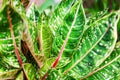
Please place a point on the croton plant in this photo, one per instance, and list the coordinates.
(59, 42)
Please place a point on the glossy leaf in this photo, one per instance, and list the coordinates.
(96, 45)
(58, 41)
(56, 74)
(109, 69)
(70, 29)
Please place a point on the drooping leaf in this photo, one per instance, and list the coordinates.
(96, 45)
(109, 69)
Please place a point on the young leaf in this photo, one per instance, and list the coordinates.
(45, 37)
(96, 45)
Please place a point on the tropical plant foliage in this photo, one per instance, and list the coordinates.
(58, 41)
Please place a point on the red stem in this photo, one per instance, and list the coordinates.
(13, 38)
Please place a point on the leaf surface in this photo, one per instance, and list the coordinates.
(29, 70)
(6, 43)
(45, 37)
(109, 69)
(96, 45)
(70, 27)
(9, 74)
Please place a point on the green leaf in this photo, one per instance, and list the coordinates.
(26, 37)
(62, 10)
(109, 69)
(46, 66)
(9, 74)
(118, 30)
(45, 37)
(20, 76)
(6, 43)
(8, 57)
(16, 18)
(56, 74)
(95, 16)
(29, 70)
(70, 20)
(96, 45)
(5, 64)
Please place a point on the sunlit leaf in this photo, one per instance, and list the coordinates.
(70, 27)
(96, 45)
(6, 43)
(30, 71)
(109, 69)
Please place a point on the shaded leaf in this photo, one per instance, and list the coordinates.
(9, 74)
(20, 76)
(5, 63)
(46, 66)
